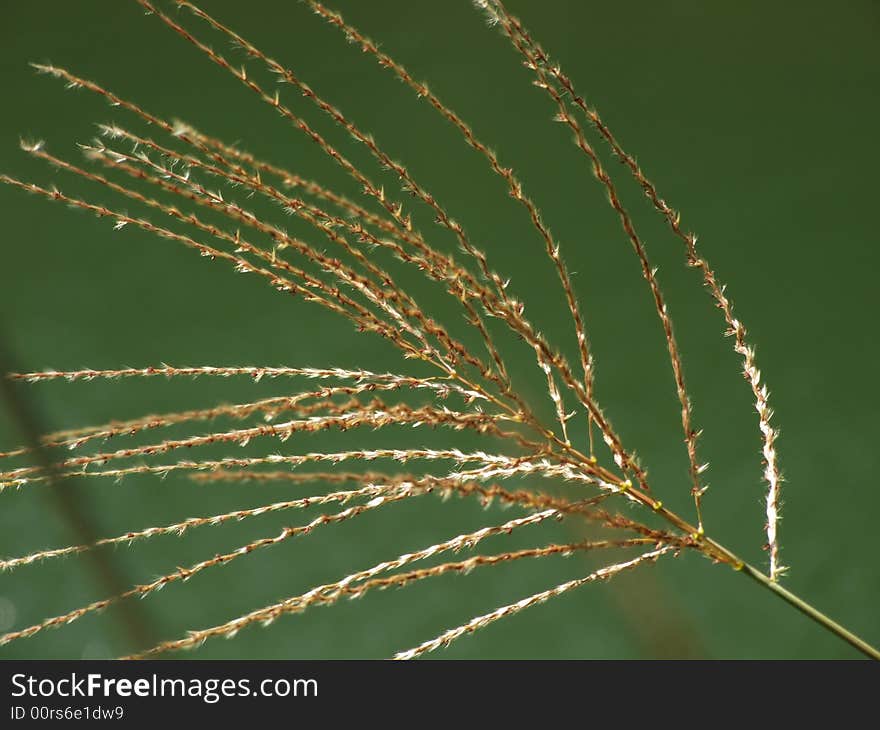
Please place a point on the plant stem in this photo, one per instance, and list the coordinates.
(711, 549)
(718, 552)
(805, 608)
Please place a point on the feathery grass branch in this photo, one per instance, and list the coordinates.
(361, 276)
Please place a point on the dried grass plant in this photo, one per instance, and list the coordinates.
(192, 189)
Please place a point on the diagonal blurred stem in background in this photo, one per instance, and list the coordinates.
(71, 504)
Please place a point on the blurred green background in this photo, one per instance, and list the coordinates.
(757, 120)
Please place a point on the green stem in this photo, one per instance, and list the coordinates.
(805, 608)
(716, 550)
